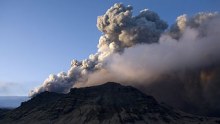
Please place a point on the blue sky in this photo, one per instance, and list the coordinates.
(40, 37)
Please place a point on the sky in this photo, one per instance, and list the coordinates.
(40, 37)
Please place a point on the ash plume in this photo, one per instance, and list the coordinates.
(179, 66)
(120, 30)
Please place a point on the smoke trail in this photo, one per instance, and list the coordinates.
(180, 66)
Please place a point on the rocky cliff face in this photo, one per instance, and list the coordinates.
(109, 103)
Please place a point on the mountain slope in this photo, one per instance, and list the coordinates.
(3, 111)
(109, 103)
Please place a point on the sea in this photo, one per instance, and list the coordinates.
(12, 101)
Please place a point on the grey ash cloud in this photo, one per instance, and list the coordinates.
(120, 30)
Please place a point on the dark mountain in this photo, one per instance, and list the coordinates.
(109, 103)
(3, 111)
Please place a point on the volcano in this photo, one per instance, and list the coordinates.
(109, 103)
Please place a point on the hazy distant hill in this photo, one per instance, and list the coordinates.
(110, 103)
(12, 101)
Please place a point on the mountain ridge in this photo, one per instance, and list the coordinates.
(107, 103)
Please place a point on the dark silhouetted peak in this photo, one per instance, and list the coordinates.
(111, 94)
(43, 98)
(110, 103)
(111, 85)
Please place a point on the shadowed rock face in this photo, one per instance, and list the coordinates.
(107, 103)
(3, 111)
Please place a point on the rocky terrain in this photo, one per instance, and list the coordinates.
(3, 111)
(110, 103)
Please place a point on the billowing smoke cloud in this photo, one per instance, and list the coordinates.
(120, 30)
(180, 66)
